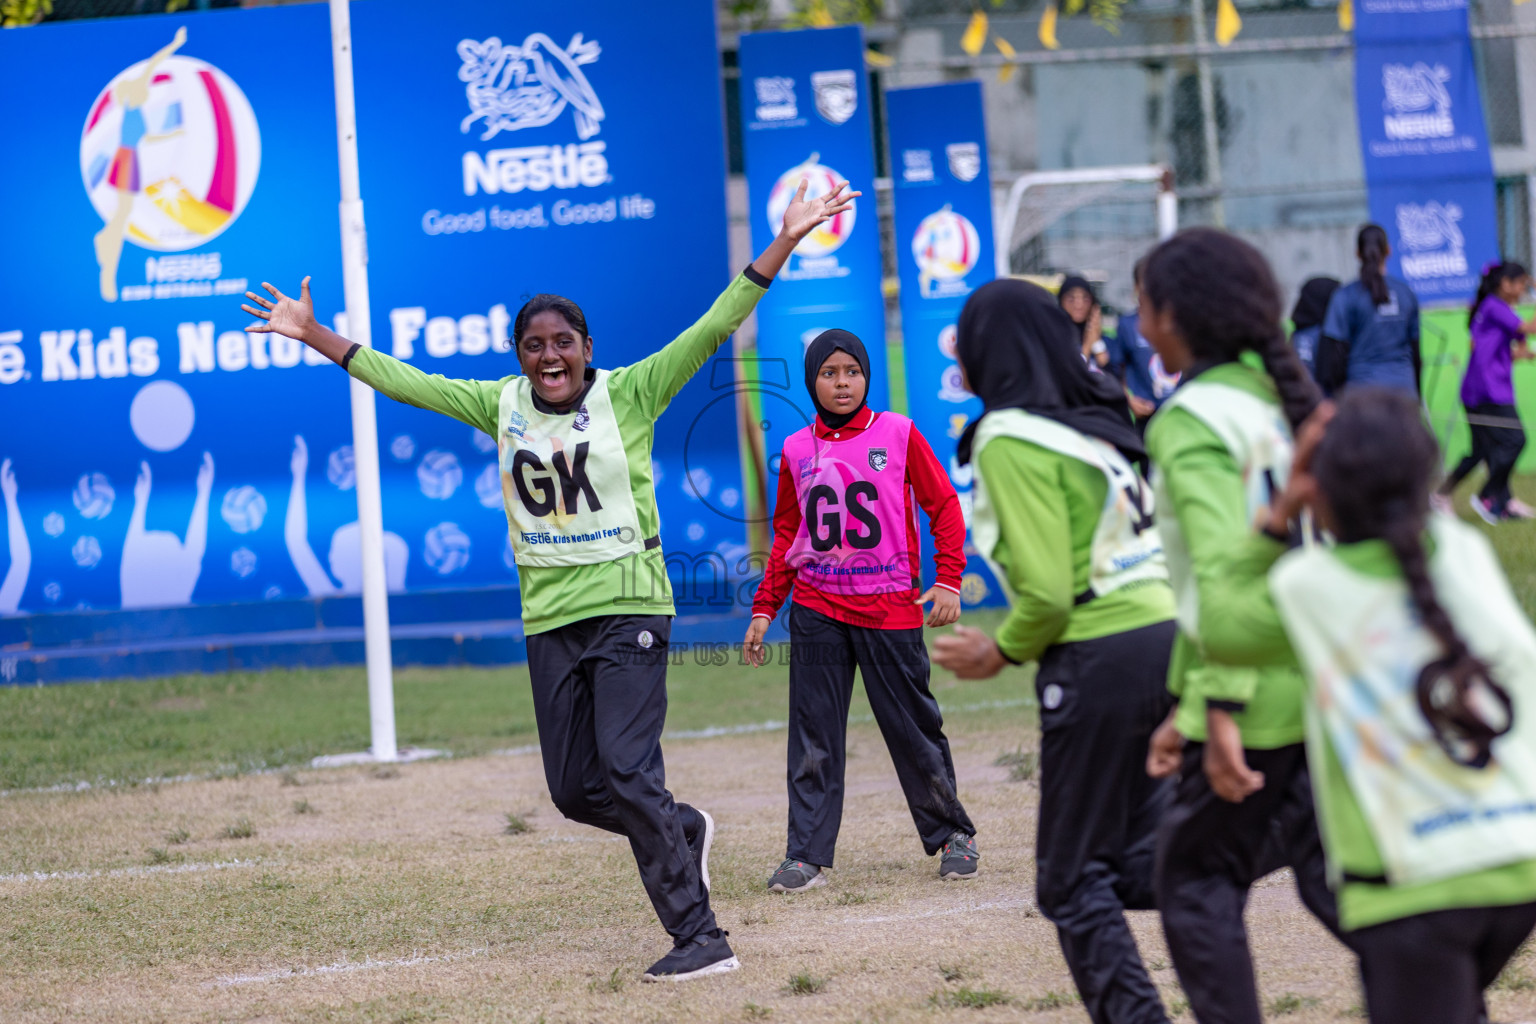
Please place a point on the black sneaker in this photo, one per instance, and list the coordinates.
(958, 857)
(699, 957)
(796, 876)
(699, 841)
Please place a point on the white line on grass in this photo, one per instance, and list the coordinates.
(708, 732)
(343, 967)
(158, 869)
(969, 908)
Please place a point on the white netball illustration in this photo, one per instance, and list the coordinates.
(695, 531)
(483, 442)
(698, 483)
(15, 581)
(488, 486)
(825, 238)
(657, 475)
(160, 569)
(273, 592)
(730, 497)
(403, 448)
(242, 562)
(52, 592)
(162, 415)
(446, 549)
(53, 524)
(86, 552)
(345, 557)
(243, 509)
(341, 468)
(439, 474)
(93, 496)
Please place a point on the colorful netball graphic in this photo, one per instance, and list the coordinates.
(169, 156)
(946, 247)
(826, 239)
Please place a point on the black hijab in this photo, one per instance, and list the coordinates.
(818, 352)
(1312, 303)
(1069, 283)
(1020, 351)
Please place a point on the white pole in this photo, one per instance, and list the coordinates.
(1209, 133)
(365, 434)
(1167, 207)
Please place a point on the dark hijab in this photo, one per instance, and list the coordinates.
(1069, 283)
(1020, 351)
(1312, 303)
(818, 352)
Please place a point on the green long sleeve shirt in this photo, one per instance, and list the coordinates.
(1048, 507)
(635, 585)
(1256, 636)
(1206, 486)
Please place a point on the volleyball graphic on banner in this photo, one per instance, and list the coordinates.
(820, 179)
(177, 139)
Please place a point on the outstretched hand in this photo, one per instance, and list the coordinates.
(299, 463)
(803, 215)
(292, 318)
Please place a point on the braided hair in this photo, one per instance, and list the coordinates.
(1225, 301)
(1371, 246)
(1375, 467)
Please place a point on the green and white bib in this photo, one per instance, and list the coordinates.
(1259, 438)
(1126, 545)
(1363, 649)
(565, 479)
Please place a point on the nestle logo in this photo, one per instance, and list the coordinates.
(536, 168)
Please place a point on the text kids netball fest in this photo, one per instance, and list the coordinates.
(751, 510)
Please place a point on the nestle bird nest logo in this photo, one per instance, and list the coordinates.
(1432, 240)
(515, 87)
(1416, 101)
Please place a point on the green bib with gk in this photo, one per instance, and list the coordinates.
(565, 480)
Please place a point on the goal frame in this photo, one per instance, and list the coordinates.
(1159, 174)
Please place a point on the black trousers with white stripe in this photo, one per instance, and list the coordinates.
(600, 699)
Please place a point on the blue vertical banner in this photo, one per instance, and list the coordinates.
(944, 250)
(1425, 143)
(150, 448)
(805, 114)
(511, 149)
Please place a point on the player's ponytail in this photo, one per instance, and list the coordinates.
(1225, 301)
(1494, 274)
(1375, 468)
(1371, 246)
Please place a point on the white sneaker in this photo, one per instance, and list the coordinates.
(1484, 510)
(1517, 509)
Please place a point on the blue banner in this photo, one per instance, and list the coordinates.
(152, 445)
(805, 114)
(513, 149)
(944, 250)
(1425, 143)
(159, 456)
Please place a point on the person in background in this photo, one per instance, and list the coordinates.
(1307, 319)
(1488, 393)
(1133, 359)
(1371, 330)
(1077, 297)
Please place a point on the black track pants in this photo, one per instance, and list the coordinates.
(894, 663)
(600, 698)
(1100, 701)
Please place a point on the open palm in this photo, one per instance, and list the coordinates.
(803, 215)
(290, 317)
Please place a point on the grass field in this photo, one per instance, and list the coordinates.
(260, 890)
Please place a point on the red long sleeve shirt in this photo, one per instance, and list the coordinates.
(929, 483)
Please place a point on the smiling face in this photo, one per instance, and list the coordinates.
(840, 384)
(1078, 304)
(554, 357)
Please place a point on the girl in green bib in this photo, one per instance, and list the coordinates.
(574, 447)
(1421, 668)
(1221, 450)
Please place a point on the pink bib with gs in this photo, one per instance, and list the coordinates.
(853, 508)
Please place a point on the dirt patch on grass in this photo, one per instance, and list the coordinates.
(404, 898)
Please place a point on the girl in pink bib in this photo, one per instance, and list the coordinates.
(845, 542)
